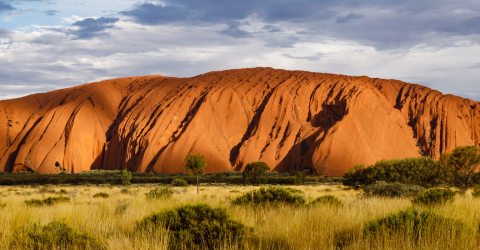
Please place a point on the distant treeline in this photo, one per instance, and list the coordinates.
(113, 177)
(460, 168)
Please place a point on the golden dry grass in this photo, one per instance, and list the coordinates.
(283, 227)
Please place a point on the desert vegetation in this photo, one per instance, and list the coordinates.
(311, 216)
(413, 203)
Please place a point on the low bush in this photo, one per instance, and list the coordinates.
(294, 190)
(159, 193)
(55, 235)
(436, 196)
(396, 189)
(415, 223)
(48, 201)
(421, 171)
(271, 195)
(7, 182)
(101, 195)
(195, 226)
(476, 192)
(179, 183)
(328, 199)
(46, 189)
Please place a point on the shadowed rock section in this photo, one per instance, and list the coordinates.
(292, 120)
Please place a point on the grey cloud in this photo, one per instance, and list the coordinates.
(233, 31)
(4, 32)
(349, 18)
(271, 28)
(51, 12)
(213, 11)
(308, 58)
(151, 14)
(90, 27)
(474, 66)
(392, 24)
(4, 7)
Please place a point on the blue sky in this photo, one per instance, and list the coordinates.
(47, 45)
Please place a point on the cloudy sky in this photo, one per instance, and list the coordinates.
(51, 44)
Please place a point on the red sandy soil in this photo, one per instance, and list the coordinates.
(291, 120)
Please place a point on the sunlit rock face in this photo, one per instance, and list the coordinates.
(292, 120)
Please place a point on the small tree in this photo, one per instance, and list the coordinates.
(126, 177)
(253, 172)
(300, 178)
(194, 164)
(218, 177)
(466, 162)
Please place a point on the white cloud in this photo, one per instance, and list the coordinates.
(46, 57)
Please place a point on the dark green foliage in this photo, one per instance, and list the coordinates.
(101, 195)
(436, 196)
(195, 226)
(218, 177)
(194, 164)
(179, 183)
(396, 189)
(413, 222)
(271, 195)
(114, 177)
(465, 161)
(48, 201)
(159, 193)
(421, 171)
(126, 177)
(315, 179)
(300, 178)
(293, 190)
(55, 235)
(328, 199)
(7, 182)
(253, 173)
(476, 192)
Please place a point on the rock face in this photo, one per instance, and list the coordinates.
(292, 120)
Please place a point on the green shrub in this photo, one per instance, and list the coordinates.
(434, 196)
(159, 193)
(476, 192)
(254, 173)
(126, 177)
(294, 190)
(396, 189)
(101, 195)
(179, 183)
(195, 226)
(7, 182)
(54, 235)
(421, 171)
(48, 201)
(300, 178)
(271, 195)
(413, 222)
(328, 199)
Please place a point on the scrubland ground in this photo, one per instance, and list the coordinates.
(112, 219)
